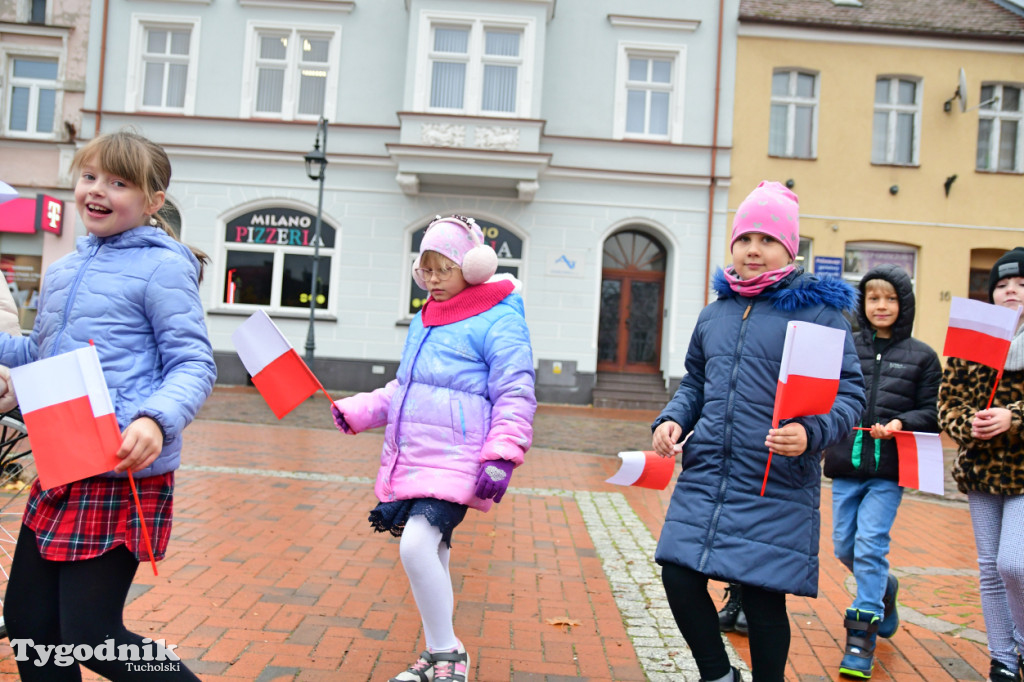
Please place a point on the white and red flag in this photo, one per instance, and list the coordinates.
(980, 332)
(644, 470)
(70, 419)
(277, 371)
(920, 456)
(812, 360)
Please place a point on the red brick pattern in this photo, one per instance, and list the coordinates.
(271, 577)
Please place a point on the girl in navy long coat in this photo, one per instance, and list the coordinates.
(718, 525)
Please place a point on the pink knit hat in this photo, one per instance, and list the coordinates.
(460, 239)
(770, 209)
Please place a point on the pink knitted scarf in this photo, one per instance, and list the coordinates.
(754, 286)
(465, 304)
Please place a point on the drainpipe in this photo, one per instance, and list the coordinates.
(714, 151)
(103, 67)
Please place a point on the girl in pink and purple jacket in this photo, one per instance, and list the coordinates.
(459, 418)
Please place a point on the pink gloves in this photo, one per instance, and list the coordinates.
(339, 420)
(492, 481)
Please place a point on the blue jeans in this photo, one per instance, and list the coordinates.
(863, 512)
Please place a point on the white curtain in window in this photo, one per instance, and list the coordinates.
(312, 92)
(447, 85)
(177, 75)
(501, 43)
(153, 84)
(499, 88)
(879, 133)
(451, 40)
(904, 138)
(270, 90)
(984, 142)
(1008, 146)
(19, 110)
(659, 114)
(636, 111)
(44, 114)
(777, 129)
(803, 131)
(180, 41)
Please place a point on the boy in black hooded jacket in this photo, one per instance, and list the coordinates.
(901, 380)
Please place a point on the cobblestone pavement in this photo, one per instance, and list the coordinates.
(274, 574)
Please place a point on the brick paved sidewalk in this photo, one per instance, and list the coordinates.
(274, 574)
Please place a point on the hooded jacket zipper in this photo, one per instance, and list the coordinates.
(71, 298)
(727, 441)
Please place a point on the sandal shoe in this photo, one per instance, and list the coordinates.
(420, 671)
(451, 666)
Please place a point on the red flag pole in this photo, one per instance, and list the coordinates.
(138, 509)
(142, 522)
(768, 466)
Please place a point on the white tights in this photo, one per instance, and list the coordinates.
(425, 559)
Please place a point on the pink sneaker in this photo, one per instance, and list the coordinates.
(420, 671)
(451, 666)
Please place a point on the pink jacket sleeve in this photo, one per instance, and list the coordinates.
(368, 410)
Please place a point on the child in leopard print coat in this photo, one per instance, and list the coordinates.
(989, 469)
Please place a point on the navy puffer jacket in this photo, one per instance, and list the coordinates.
(136, 295)
(901, 382)
(717, 523)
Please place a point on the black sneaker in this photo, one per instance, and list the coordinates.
(998, 672)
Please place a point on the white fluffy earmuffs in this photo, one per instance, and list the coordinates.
(450, 237)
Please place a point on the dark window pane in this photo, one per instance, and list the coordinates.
(608, 326)
(298, 274)
(248, 277)
(644, 314)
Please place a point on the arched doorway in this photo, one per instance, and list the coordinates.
(632, 296)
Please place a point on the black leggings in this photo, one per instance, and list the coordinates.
(79, 603)
(697, 617)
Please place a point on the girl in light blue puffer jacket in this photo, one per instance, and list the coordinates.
(133, 289)
(459, 418)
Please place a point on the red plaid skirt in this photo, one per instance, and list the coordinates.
(87, 518)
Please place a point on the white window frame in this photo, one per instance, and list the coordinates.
(472, 97)
(135, 87)
(677, 86)
(892, 109)
(217, 302)
(290, 96)
(791, 101)
(997, 116)
(7, 56)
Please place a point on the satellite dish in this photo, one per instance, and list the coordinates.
(960, 94)
(961, 90)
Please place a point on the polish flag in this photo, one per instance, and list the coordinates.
(644, 470)
(278, 372)
(812, 358)
(980, 332)
(70, 420)
(921, 463)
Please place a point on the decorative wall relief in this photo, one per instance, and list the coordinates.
(443, 135)
(496, 137)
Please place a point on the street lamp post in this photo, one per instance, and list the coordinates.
(316, 166)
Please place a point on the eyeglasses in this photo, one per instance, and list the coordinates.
(443, 275)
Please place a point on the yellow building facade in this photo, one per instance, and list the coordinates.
(870, 131)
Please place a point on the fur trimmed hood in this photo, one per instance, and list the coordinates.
(798, 290)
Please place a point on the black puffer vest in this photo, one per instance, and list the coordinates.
(901, 382)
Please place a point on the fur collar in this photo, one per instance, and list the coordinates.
(799, 290)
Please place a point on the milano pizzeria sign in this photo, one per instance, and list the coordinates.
(278, 227)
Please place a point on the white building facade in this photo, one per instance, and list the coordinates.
(581, 134)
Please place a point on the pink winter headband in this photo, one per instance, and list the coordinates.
(770, 209)
(461, 240)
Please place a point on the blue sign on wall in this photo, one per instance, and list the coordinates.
(827, 265)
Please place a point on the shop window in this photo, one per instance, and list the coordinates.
(507, 245)
(269, 257)
(863, 256)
